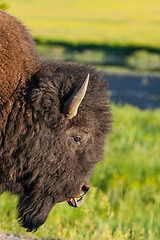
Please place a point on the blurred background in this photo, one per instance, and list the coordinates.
(121, 39)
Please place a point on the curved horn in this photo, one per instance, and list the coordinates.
(71, 106)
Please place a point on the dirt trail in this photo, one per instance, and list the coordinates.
(12, 237)
(16, 237)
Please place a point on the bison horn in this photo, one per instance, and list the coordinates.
(71, 106)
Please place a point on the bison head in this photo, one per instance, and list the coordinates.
(65, 121)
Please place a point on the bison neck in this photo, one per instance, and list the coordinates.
(15, 127)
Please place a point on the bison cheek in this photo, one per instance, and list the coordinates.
(32, 213)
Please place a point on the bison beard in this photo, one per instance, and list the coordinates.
(54, 117)
(33, 214)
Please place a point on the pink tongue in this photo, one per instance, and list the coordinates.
(74, 203)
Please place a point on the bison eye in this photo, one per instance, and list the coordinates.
(77, 139)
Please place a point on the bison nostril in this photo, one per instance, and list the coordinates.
(85, 189)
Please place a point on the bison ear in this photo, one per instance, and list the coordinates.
(70, 108)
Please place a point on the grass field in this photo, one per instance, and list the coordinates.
(124, 200)
(105, 33)
(113, 22)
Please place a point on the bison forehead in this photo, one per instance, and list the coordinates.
(56, 82)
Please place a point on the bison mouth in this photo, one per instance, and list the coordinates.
(75, 202)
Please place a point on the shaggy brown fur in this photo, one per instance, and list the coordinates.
(18, 56)
(40, 157)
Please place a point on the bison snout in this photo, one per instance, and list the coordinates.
(85, 189)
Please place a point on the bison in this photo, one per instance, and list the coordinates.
(54, 117)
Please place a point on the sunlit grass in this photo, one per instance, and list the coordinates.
(112, 22)
(124, 33)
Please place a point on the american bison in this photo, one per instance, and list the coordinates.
(53, 121)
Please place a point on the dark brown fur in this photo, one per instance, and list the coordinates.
(39, 157)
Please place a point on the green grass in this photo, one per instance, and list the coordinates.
(124, 199)
(102, 56)
(114, 22)
(103, 33)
